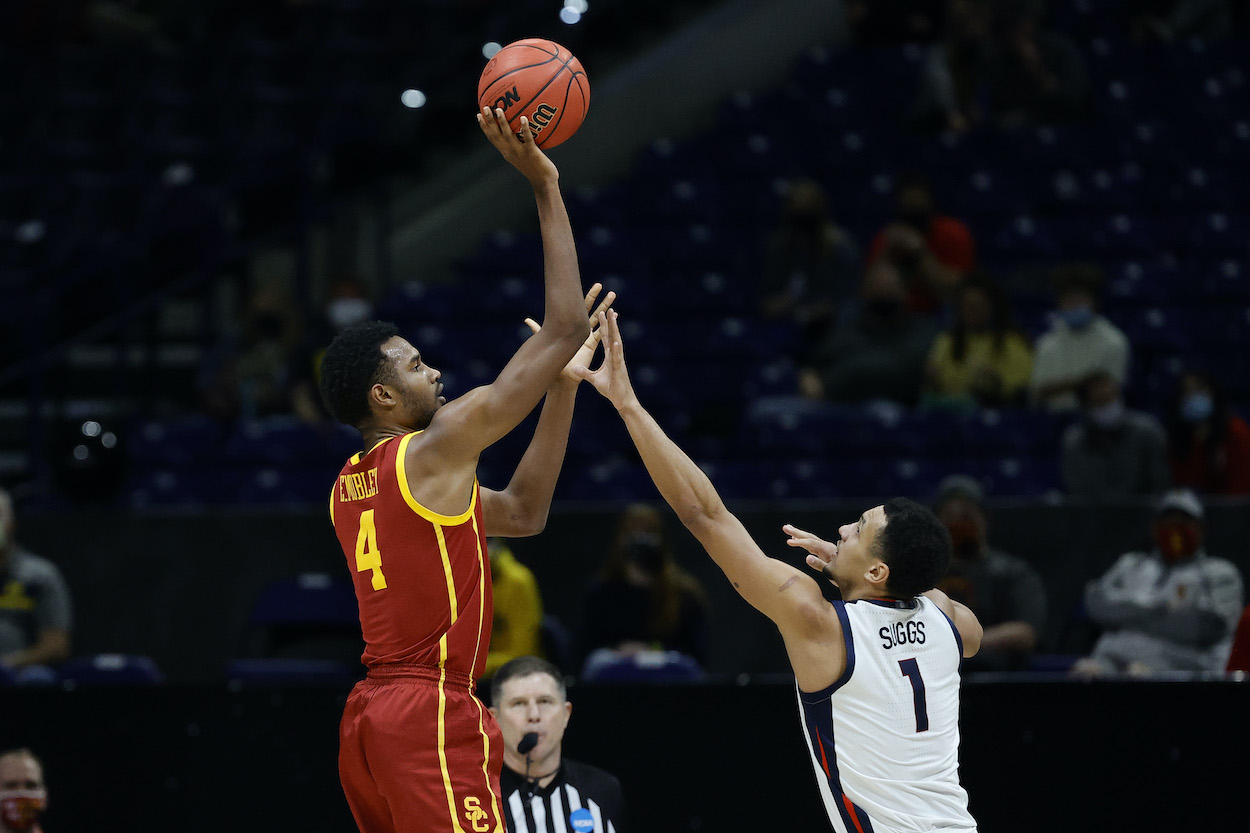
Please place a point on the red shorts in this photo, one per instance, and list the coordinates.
(419, 752)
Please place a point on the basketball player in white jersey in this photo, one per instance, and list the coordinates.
(877, 673)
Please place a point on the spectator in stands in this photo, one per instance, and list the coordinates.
(1208, 444)
(641, 599)
(250, 377)
(954, 79)
(877, 22)
(931, 251)
(1035, 76)
(1168, 21)
(982, 359)
(517, 628)
(348, 304)
(1079, 343)
(35, 613)
(810, 264)
(23, 793)
(1003, 590)
(877, 351)
(1113, 451)
(1171, 609)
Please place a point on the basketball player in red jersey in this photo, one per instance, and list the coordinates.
(417, 749)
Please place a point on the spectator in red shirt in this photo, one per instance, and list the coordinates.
(933, 252)
(1208, 444)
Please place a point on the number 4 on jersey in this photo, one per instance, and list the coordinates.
(367, 555)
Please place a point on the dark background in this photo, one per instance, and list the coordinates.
(179, 586)
(1035, 756)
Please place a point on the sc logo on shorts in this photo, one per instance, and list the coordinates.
(475, 815)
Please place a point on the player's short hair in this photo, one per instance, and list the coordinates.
(916, 547)
(523, 667)
(354, 363)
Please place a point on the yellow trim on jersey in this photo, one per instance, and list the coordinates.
(430, 515)
(442, 735)
(360, 455)
(333, 494)
(483, 571)
(451, 584)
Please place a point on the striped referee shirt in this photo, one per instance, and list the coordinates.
(580, 799)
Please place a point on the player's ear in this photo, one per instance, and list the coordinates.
(381, 395)
(878, 573)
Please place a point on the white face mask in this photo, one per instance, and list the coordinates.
(343, 312)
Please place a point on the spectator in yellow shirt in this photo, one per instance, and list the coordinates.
(518, 608)
(982, 359)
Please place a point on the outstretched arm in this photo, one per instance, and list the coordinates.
(479, 418)
(521, 509)
(785, 595)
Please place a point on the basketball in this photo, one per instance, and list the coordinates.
(541, 80)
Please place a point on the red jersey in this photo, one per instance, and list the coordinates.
(422, 579)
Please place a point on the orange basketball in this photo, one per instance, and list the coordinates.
(540, 80)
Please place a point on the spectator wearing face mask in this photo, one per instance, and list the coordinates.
(1173, 608)
(641, 599)
(1079, 343)
(1113, 451)
(877, 352)
(931, 251)
(23, 794)
(1208, 444)
(810, 265)
(1003, 590)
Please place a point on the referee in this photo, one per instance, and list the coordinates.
(543, 792)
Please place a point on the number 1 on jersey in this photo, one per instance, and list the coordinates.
(911, 670)
(367, 555)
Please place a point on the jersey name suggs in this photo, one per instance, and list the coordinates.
(902, 633)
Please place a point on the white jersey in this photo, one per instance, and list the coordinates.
(884, 738)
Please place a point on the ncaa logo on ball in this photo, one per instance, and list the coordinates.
(581, 820)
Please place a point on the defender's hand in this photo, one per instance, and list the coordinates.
(612, 377)
(586, 353)
(519, 149)
(819, 551)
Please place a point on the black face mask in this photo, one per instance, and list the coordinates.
(884, 307)
(644, 550)
(919, 220)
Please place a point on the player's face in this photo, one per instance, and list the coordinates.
(533, 704)
(857, 549)
(415, 383)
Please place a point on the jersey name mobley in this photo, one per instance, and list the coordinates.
(902, 633)
(358, 485)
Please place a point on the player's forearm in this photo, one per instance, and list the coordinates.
(534, 481)
(564, 314)
(681, 483)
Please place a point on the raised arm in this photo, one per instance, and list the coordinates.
(479, 418)
(787, 596)
(521, 509)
